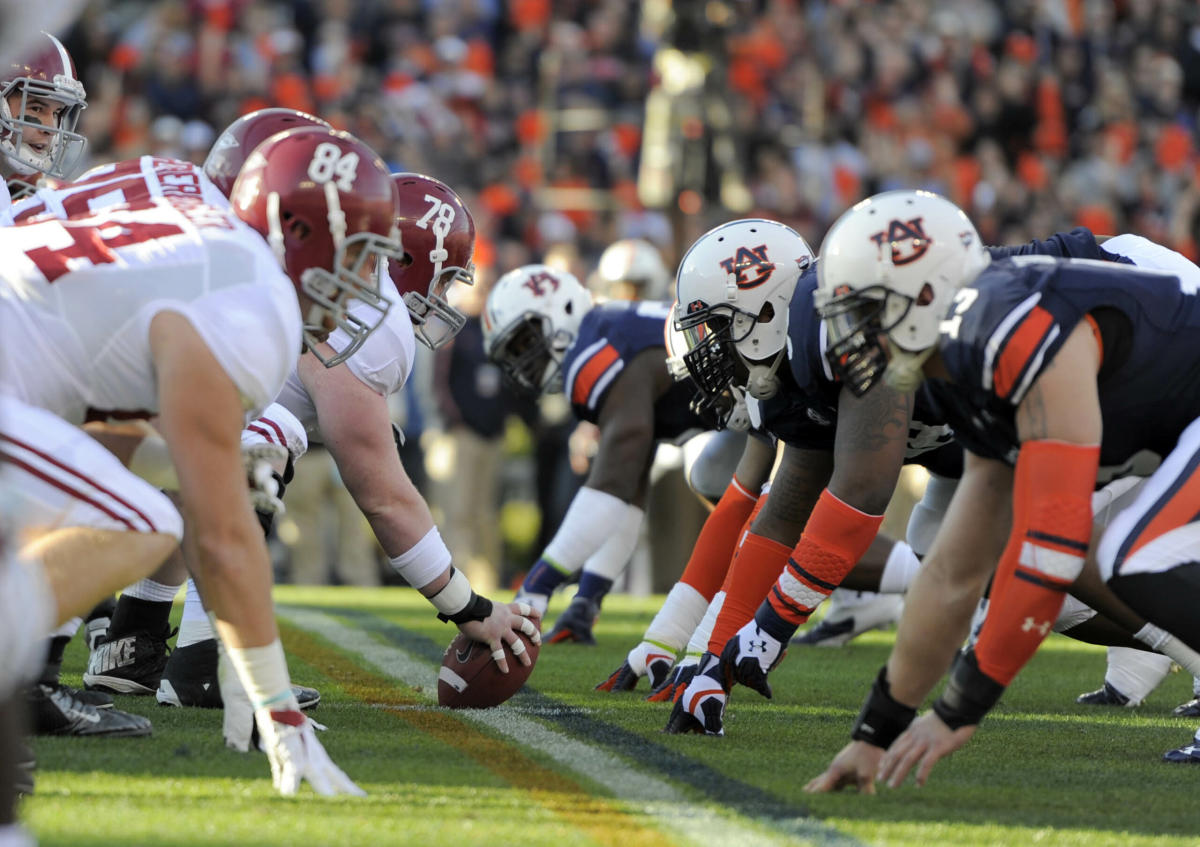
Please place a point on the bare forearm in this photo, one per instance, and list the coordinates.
(234, 577)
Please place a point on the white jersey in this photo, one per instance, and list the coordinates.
(131, 181)
(383, 363)
(77, 298)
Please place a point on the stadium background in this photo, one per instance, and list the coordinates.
(568, 125)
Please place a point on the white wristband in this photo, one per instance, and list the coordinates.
(263, 672)
(454, 596)
(425, 561)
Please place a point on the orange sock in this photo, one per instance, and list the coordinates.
(713, 551)
(756, 566)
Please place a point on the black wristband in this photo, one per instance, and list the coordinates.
(477, 609)
(882, 718)
(969, 694)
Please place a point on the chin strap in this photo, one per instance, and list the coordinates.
(762, 384)
(903, 371)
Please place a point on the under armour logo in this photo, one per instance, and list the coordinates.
(750, 266)
(1030, 625)
(541, 283)
(756, 646)
(907, 239)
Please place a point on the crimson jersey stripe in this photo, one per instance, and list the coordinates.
(72, 492)
(269, 436)
(53, 461)
(589, 374)
(278, 430)
(1024, 342)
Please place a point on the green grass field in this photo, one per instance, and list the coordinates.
(562, 764)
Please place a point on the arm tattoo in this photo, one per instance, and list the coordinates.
(873, 423)
(795, 489)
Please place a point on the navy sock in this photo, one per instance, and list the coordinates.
(594, 587)
(543, 578)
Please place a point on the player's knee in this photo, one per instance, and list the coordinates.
(162, 515)
(709, 472)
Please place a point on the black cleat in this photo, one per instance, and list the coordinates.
(190, 680)
(129, 664)
(1106, 696)
(57, 712)
(575, 623)
(98, 699)
(1190, 709)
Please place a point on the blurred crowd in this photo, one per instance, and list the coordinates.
(1033, 116)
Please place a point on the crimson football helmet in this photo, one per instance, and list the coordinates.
(34, 138)
(327, 206)
(239, 139)
(438, 234)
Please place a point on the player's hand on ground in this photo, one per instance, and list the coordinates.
(296, 756)
(701, 707)
(672, 687)
(750, 655)
(926, 741)
(501, 627)
(854, 767)
(646, 659)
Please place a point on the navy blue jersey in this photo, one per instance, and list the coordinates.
(1005, 329)
(610, 336)
(807, 416)
(1079, 243)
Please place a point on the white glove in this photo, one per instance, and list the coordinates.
(287, 737)
(260, 461)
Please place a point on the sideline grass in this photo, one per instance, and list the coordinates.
(1042, 769)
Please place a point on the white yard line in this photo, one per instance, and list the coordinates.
(664, 805)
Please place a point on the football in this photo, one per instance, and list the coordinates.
(469, 679)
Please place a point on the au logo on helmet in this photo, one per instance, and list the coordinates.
(907, 239)
(541, 283)
(750, 266)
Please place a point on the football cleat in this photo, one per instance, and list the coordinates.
(749, 656)
(1189, 754)
(701, 707)
(99, 699)
(190, 680)
(130, 664)
(669, 689)
(646, 659)
(96, 625)
(575, 623)
(1190, 709)
(1106, 696)
(841, 625)
(57, 712)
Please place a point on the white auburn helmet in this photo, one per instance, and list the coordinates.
(531, 319)
(731, 411)
(638, 263)
(31, 142)
(733, 291)
(892, 264)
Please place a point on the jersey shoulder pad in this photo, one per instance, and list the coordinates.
(1002, 329)
(1079, 243)
(385, 360)
(806, 337)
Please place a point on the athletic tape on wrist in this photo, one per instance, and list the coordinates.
(263, 673)
(882, 718)
(969, 694)
(425, 561)
(455, 595)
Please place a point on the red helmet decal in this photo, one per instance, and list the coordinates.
(750, 266)
(541, 283)
(907, 239)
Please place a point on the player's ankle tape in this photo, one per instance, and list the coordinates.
(882, 718)
(969, 694)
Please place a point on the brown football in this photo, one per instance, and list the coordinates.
(469, 679)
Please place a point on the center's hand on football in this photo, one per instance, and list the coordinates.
(502, 626)
(926, 741)
(854, 766)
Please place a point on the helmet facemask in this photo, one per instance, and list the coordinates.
(435, 321)
(525, 354)
(857, 321)
(20, 132)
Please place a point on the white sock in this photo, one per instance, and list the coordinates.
(681, 612)
(899, 570)
(157, 592)
(194, 627)
(698, 643)
(1135, 673)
